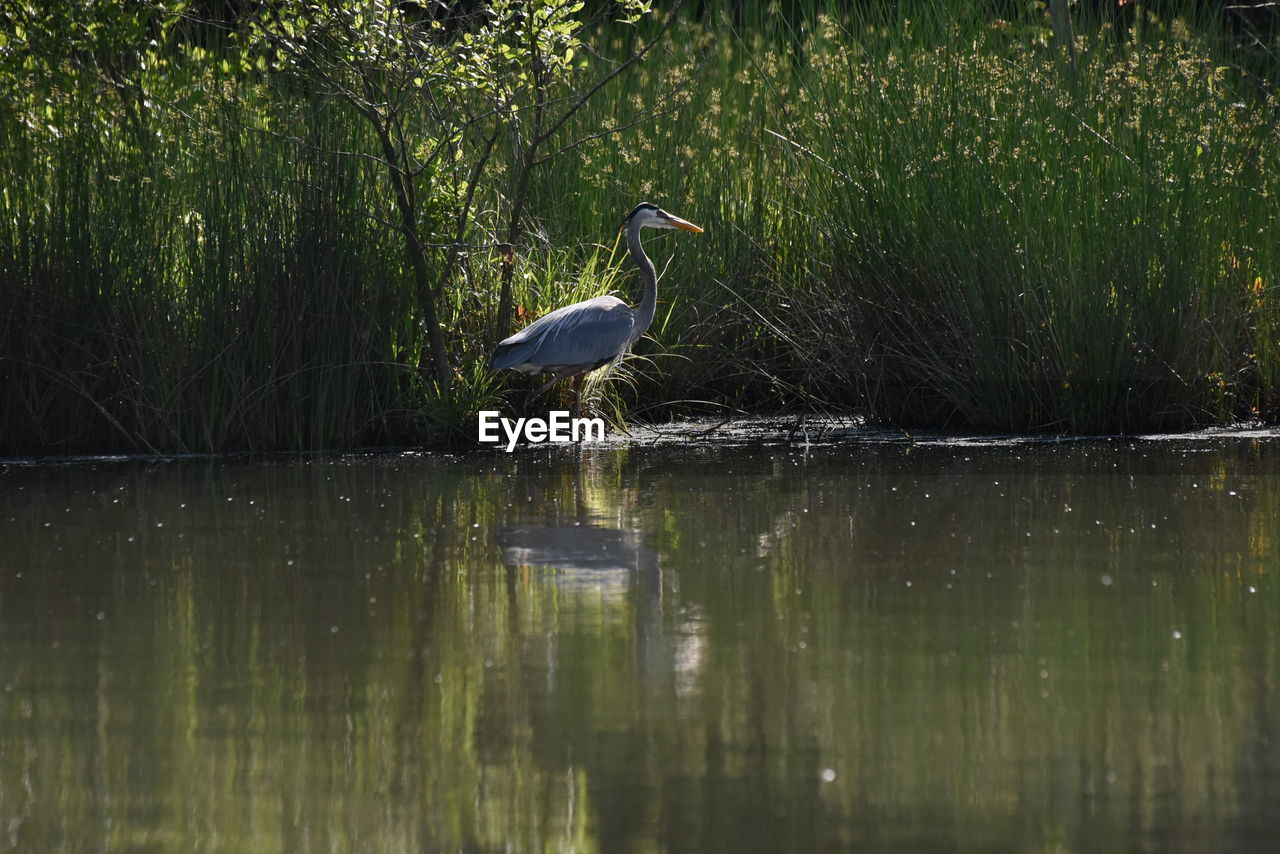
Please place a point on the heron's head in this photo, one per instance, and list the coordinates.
(645, 215)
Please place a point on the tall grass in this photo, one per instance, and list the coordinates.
(927, 220)
(934, 221)
(1013, 248)
(215, 281)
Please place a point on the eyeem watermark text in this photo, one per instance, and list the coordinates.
(558, 426)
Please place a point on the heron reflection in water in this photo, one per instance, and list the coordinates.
(601, 564)
(595, 563)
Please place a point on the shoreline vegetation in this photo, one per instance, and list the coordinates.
(303, 228)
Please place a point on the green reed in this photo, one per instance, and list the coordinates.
(218, 282)
(1024, 249)
(935, 221)
(932, 221)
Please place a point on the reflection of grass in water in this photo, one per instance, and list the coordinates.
(462, 702)
(927, 697)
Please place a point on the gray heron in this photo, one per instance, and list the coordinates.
(575, 340)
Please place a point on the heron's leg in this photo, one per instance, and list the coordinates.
(576, 410)
(536, 393)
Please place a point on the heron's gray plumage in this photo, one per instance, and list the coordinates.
(585, 333)
(590, 334)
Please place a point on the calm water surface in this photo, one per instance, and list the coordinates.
(871, 647)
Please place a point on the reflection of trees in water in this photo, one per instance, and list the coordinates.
(553, 652)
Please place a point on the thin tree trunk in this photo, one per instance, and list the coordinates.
(407, 208)
(516, 230)
(1060, 20)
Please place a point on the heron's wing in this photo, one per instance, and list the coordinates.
(583, 335)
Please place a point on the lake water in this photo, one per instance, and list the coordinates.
(874, 646)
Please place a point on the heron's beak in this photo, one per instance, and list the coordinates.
(677, 222)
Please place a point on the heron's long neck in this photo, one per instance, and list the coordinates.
(648, 302)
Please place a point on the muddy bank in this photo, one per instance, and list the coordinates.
(835, 431)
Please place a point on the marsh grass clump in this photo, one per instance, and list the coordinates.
(935, 221)
(218, 288)
(1005, 246)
